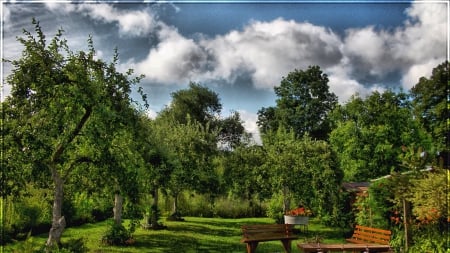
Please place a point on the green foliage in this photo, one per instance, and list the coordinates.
(430, 239)
(275, 208)
(430, 104)
(370, 133)
(61, 104)
(304, 170)
(303, 105)
(117, 234)
(22, 214)
(236, 208)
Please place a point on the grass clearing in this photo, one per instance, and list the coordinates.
(193, 235)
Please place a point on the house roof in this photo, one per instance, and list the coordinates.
(356, 186)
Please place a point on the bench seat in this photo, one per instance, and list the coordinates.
(253, 234)
(365, 239)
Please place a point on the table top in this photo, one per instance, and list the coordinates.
(341, 246)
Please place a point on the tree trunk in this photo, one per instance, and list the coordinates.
(118, 204)
(286, 200)
(58, 221)
(175, 204)
(154, 213)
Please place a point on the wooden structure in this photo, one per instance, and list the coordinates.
(362, 235)
(254, 234)
(342, 247)
(365, 239)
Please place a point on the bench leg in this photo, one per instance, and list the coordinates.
(286, 245)
(251, 247)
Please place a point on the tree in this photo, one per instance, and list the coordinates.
(59, 100)
(430, 104)
(303, 104)
(200, 103)
(243, 174)
(191, 148)
(304, 170)
(370, 133)
(158, 165)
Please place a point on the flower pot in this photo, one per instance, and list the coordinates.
(297, 220)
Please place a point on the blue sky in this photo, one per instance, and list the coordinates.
(242, 50)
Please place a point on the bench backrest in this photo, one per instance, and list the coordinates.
(267, 230)
(370, 235)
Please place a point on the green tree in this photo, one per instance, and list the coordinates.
(191, 147)
(303, 104)
(430, 104)
(304, 170)
(158, 164)
(370, 133)
(55, 96)
(197, 103)
(243, 174)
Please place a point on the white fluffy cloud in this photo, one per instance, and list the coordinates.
(250, 125)
(360, 61)
(264, 51)
(130, 22)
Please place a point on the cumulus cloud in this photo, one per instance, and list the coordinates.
(409, 49)
(175, 59)
(130, 22)
(262, 50)
(362, 60)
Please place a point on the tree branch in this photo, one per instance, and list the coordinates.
(62, 146)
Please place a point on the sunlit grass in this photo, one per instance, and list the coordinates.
(193, 235)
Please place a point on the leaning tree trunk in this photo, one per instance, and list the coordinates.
(118, 206)
(58, 221)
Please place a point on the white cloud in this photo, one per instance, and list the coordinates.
(250, 125)
(418, 44)
(263, 50)
(361, 60)
(130, 22)
(269, 50)
(412, 76)
(175, 59)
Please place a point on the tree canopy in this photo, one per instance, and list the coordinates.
(303, 104)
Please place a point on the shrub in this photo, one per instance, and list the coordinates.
(117, 234)
(275, 209)
(235, 208)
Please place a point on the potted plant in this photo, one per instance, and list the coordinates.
(298, 216)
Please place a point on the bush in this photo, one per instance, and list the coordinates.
(26, 213)
(196, 205)
(117, 234)
(235, 208)
(74, 246)
(275, 209)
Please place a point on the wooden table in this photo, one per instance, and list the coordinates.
(325, 247)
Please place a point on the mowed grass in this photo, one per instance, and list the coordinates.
(192, 235)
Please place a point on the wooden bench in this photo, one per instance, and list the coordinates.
(253, 234)
(364, 239)
(364, 235)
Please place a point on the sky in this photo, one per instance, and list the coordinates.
(242, 49)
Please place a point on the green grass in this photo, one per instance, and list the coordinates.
(193, 235)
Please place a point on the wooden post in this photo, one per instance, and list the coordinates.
(406, 211)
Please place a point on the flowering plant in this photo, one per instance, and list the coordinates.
(301, 211)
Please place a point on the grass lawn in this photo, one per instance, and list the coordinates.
(193, 235)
